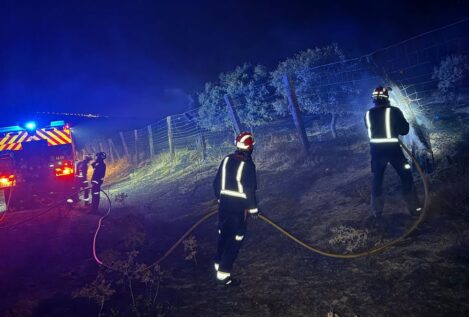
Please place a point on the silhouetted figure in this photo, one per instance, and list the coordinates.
(99, 171)
(81, 179)
(385, 123)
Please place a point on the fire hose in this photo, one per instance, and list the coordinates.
(49, 208)
(377, 249)
(290, 236)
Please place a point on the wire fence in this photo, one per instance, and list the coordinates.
(408, 66)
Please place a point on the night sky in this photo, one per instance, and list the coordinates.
(143, 59)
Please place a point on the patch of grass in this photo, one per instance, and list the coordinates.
(116, 171)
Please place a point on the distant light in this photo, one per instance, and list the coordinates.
(31, 125)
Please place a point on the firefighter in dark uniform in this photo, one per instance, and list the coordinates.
(385, 123)
(99, 171)
(82, 179)
(235, 188)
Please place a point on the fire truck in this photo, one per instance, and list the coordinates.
(36, 164)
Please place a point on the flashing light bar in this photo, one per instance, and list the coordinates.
(59, 123)
(14, 128)
(31, 126)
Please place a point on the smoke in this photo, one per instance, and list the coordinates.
(418, 137)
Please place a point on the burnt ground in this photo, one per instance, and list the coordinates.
(323, 199)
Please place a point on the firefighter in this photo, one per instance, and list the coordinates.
(385, 123)
(99, 171)
(82, 179)
(235, 188)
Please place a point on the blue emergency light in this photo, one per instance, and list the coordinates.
(31, 125)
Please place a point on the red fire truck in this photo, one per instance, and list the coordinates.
(36, 163)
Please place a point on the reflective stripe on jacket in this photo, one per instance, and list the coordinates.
(385, 124)
(236, 177)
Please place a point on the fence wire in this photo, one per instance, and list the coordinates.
(408, 66)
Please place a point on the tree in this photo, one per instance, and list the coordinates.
(449, 74)
(315, 74)
(212, 114)
(249, 88)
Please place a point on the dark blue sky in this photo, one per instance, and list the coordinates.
(143, 58)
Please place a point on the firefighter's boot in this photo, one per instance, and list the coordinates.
(229, 282)
(414, 206)
(226, 280)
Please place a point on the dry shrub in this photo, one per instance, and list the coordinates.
(99, 291)
(349, 237)
(190, 249)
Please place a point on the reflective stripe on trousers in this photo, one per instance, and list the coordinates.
(222, 275)
(239, 238)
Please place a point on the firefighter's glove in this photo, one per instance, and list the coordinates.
(254, 213)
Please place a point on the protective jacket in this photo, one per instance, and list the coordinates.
(96, 181)
(235, 183)
(99, 171)
(385, 124)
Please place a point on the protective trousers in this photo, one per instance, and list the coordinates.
(231, 231)
(95, 191)
(403, 169)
